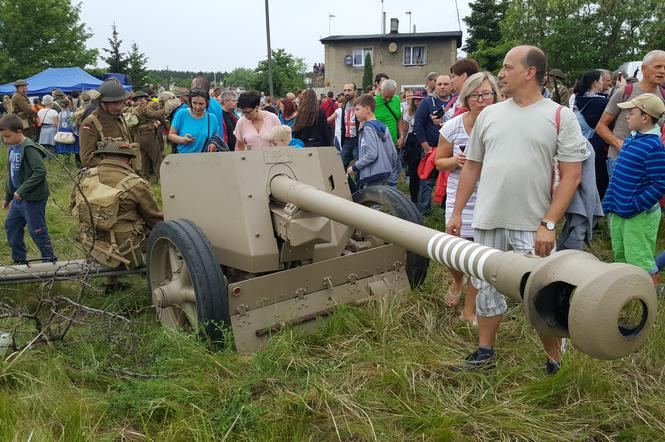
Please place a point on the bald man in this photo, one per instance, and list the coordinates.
(510, 155)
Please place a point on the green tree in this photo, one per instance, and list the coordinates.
(578, 35)
(288, 73)
(137, 62)
(368, 75)
(484, 43)
(36, 34)
(241, 77)
(116, 59)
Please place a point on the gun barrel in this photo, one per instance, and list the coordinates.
(568, 294)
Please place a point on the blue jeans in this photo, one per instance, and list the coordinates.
(397, 170)
(425, 190)
(611, 164)
(32, 214)
(660, 261)
(349, 151)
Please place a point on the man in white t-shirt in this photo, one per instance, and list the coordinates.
(511, 153)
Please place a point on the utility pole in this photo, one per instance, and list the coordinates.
(270, 83)
(383, 19)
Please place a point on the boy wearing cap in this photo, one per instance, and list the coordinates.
(637, 184)
(27, 190)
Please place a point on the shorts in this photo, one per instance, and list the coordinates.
(634, 239)
(489, 301)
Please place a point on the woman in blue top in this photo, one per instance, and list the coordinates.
(192, 129)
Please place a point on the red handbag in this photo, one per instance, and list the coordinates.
(426, 166)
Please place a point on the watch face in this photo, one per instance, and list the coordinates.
(551, 226)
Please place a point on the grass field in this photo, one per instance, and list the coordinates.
(376, 373)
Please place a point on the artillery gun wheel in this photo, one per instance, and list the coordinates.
(394, 202)
(187, 284)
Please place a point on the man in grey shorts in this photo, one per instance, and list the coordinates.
(511, 151)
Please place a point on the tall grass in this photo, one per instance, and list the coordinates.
(381, 372)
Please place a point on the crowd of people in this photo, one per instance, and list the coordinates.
(507, 157)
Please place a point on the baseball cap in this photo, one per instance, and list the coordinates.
(419, 93)
(647, 103)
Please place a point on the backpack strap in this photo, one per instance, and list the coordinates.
(97, 124)
(627, 92)
(387, 104)
(557, 118)
(450, 104)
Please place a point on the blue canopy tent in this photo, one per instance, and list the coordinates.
(65, 79)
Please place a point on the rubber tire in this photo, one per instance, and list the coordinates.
(400, 206)
(208, 280)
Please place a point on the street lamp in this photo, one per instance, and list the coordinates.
(330, 17)
(409, 14)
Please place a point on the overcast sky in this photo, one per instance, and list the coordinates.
(220, 35)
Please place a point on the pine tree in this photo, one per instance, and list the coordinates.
(368, 76)
(484, 29)
(116, 59)
(137, 62)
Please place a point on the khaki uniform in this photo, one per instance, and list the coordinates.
(122, 243)
(9, 107)
(23, 109)
(560, 93)
(98, 125)
(148, 136)
(59, 104)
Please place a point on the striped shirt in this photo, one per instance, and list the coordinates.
(638, 181)
(453, 131)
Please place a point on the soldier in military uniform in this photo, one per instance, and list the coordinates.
(557, 88)
(106, 121)
(59, 100)
(147, 133)
(116, 209)
(23, 109)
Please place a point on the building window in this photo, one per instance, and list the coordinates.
(414, 55)
(359, 56)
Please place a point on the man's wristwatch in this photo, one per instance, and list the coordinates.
(549, 225)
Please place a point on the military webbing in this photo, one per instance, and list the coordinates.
(112, 253)
(136, 161)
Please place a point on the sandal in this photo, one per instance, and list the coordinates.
(473, 322)
(452, 298)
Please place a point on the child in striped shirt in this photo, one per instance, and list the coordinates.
(637, 185)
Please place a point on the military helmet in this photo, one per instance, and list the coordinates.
(116, 146)
(112, 90)
(20, 83)
(139, 94)
(57, 93)
(558, 73)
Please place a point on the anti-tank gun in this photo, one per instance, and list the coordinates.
(266, 239)
(261, 240)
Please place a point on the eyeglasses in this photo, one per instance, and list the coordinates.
(248, 111)
(485, 95)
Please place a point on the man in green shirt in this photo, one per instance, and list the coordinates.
(389, 112)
